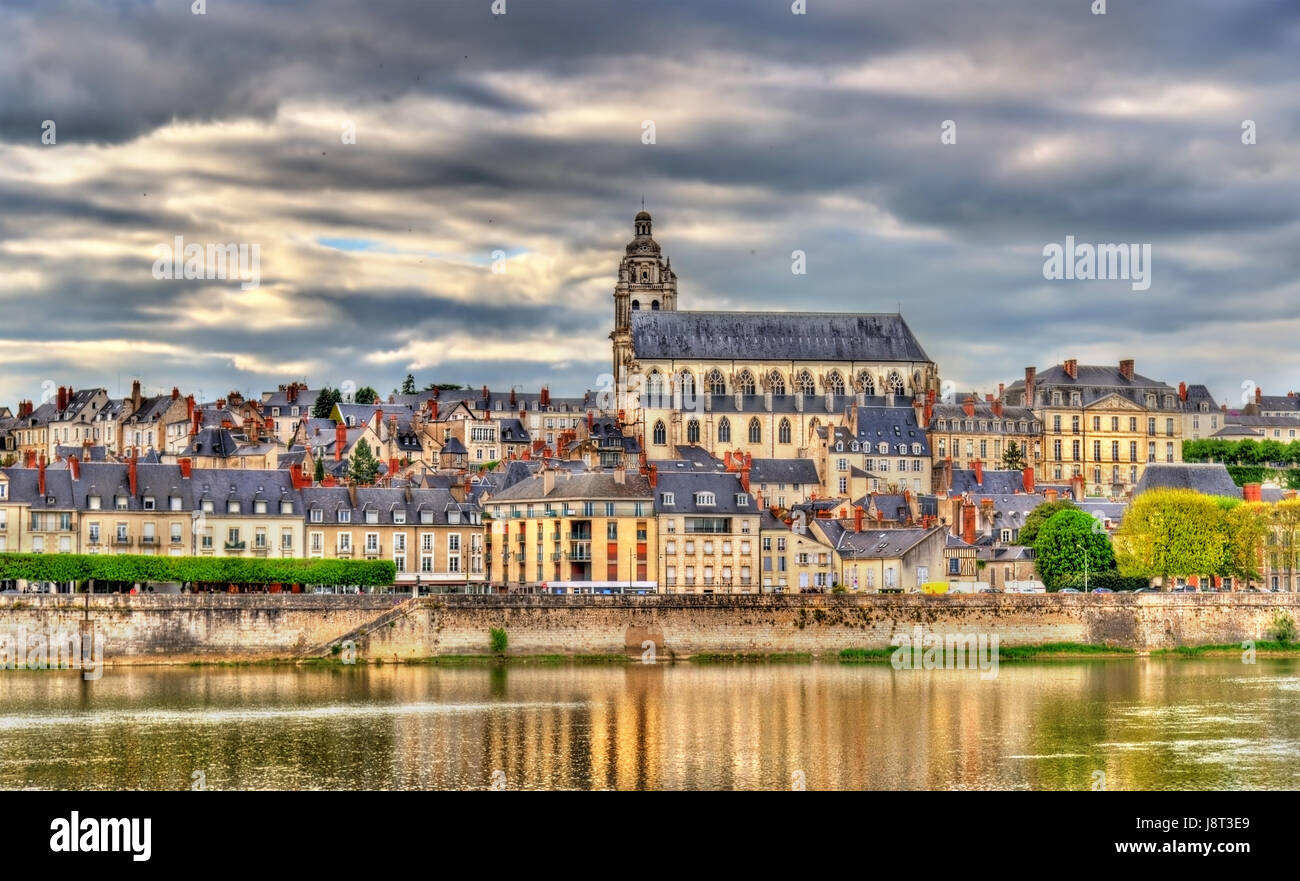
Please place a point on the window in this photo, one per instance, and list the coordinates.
(755, 431)
(693, 431)
(660, 433)
(704, 498)
(667, 499)
(148, 503)
(716, 384)
(783, 432)
(724, 430)
(746, 384)
(316, 515)
(867, 384)
(835, 383)
(805, 384)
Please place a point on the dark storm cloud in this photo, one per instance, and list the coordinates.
(521, 133)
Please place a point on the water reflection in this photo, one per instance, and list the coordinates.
(1147, 724)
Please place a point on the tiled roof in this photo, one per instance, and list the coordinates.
(764, 336)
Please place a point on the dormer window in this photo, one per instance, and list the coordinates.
(1076, 399)
(148, 503)
(259, 506)
(92, 502)
(705, 499)
(345, 515)
(232, 506)
(399, 516)
(208, 506)
(667, 499)
(317, 515)
(426, 517)
(372, 515)
(121, 503)
(174, 503)
(742, 500)
(286, 506)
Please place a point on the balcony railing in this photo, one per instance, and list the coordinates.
(235, 545)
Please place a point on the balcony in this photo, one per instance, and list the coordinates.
(235, 545)
(373, 551)
(344, 553)
(260, 549)
(123, 541)
(149, 540)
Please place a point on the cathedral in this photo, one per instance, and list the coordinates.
(761, 383)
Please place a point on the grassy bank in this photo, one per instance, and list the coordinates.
(1063, 650)
(1262, 647)
(751, 657)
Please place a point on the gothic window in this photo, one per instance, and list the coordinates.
(746, 383)
(717, 385)
(783, 433)
(724, 431)
(835, 384)
(660, 434)
(777, 384)
(868, 385)
(894, 384)
(755, 431)
(805, 383)
(693, 431)
(686, 382)
(655, 388)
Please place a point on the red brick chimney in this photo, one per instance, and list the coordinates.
(176, 393)
(135, 394)
(1182, 392)
(744, 477)
(197, 421)
(1029, 478)
(40, 475)
(726, 461)
(379, 420)
(1031, 374)
(30, 459)
(433, 410)
(979, 472)
(1071, 368)
(62, 402)
(392, 467)
(968, 524)
(340, 441)
(929, 406)
(968, 406)
(1252, 492)
(591, 421)
(187, 467)
(132, 473)
(1049, 495)
(74, 467)
(545, 398)
(1259, 394)
(997, 408)
(654, 476)
(486, 393)
(1126, 369)
(221, 403)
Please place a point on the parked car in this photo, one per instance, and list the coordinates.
(989, 590)
(1146, 590)
(1069, 590)
(1184, 589)
(1102, 590)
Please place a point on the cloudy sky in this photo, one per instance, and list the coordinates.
(523, 133)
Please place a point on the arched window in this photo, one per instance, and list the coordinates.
(835, 383)
(894, 385)
(660, 433)
(868, 384)
(724, 430)
(645, 276)
(776, 384)
(686, 382)
(755, 431)
(783, 432)
(806, 384)
(717, 384)
(654, 305)
(654, 386)
(746, 383)
(636, 305)
(693, 431)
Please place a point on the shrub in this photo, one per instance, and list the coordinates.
(499, 640)
(1282, 628)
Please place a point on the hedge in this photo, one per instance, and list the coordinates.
(210, 570)
(1244, 474)
(1112, 580)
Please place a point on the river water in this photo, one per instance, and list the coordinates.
(1143, 723)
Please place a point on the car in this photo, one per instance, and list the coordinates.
(1146, 590)
(989, 590)
(1102, 590)
(1069, 590)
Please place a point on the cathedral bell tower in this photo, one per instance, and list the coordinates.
(645, 281)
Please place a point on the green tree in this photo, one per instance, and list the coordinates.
(365, 395)
(325, 402)
(443, 387)
(363, 464)
(1068, 543)
(1014, 458)
(1245, 531)
(408, 385)
(319, 473)
(1172, 532)
(1040, 515)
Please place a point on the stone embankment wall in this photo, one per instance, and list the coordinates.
(180, 628)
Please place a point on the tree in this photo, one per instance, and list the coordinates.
(319, 474)
(1245, 530)
(325, 402)
(1014, 458)
(1172, 532)
(1040, 515)
(364, 465)
(408, 385)
(443, 387)
(1284, 546)
(1070, 543)
(366, 395)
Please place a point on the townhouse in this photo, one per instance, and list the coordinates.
(708, 527)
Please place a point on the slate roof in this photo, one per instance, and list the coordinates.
(683, 487)
(872, 543)
(1208, 478)
(1094, 382)
(590, 485)
(764, 336)
(212, 442)
(94, 453)
(876, 425)
(150, 410)
(385, 502)
(794, 471)
(995, 482)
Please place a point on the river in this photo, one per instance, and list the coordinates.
(1147, 723)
